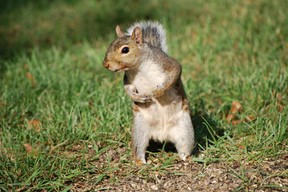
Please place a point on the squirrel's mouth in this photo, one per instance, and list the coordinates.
(121, 68)
(115, 67)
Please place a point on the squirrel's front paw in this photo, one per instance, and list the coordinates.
(143, 99)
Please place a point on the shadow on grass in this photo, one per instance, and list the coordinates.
(205, 128)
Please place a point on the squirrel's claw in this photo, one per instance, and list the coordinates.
(143, 99)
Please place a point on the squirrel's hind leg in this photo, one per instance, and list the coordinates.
(140, 138)
(183, 136)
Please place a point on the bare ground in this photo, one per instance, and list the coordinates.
(268, 175)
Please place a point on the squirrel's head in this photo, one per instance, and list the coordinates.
(124, 52)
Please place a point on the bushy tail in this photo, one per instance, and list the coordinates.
(153, 33)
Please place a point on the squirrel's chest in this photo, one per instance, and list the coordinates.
(147, 79)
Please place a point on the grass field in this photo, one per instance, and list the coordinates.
(65, 121)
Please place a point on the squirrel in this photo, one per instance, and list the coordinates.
(153, 81)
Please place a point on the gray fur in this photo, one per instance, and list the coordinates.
(153, 33)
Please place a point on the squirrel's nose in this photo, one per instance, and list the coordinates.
(106, 64)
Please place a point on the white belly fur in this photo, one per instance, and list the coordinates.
(162, 120)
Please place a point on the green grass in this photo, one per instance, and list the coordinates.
(51, 72)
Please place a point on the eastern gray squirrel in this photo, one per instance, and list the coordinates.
(153, 81)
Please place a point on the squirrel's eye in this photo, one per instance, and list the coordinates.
(125, 50)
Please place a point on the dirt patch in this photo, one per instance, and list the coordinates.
(267, 175)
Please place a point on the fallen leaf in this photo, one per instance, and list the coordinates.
(35, 124)
(235, 108)
(280, 107)
(28, 148)
(229, 117)
(31, 78)
(236, 122)
(250, 118)
(241, 147)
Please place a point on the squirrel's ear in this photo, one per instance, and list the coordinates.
(137, 35)
(119, 32)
